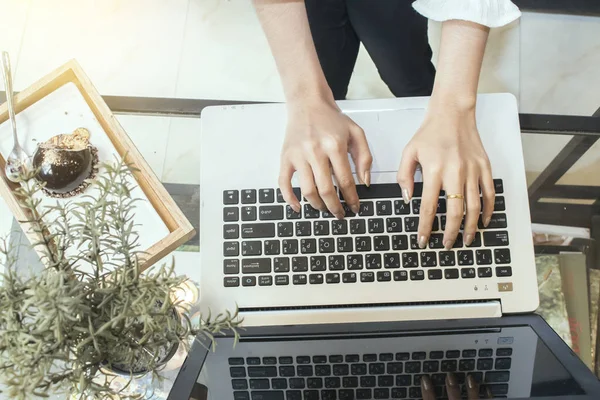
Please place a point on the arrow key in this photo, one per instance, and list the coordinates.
(249, 213)
(249, 196)
(230, 197)
(266, 196)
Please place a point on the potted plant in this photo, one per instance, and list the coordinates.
(90, 310)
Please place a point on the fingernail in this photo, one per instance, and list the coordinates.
(339, 215)
(488, 393)
(422, 242)
(367, 179)
(471, 382)
(487, 221)
(405, 196)
(469, 239)
(296, 207)
(355, 209)
(448, 244)
(451, 379)
(426, 383)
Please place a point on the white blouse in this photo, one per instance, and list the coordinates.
(491, 13)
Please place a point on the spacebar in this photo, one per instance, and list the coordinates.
(267, 395)
(379, 191)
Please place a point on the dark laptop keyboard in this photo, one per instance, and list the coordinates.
(367, 376)
(266, 243)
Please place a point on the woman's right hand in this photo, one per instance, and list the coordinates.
(317, 142)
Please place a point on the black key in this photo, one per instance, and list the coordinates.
(345, 245)
(376, 368)
(231, 214)
(303, 228)
(498, 186)
(419, 355)
(362, 243)
(340, 369)
(393, 225)
(262, 372)
(403, 380)
(376, 225)
(355, 261)
(281, 264)
(231, 266)
(410, 260)
(503, 271)
(484, 272)
(267, 395)
(236, 361)
(230, 197)
(451, 273)
(373, 261)
(366, 209)
(241, 396)
(384, 207)
(249, 213)
(231, 281)
(402, 356)
(259, 384)
(435, 226)
(346, 394)
(351, 381)
(436, 241)
(237, 372)
(502, 256)
(231, 231)
(321, 228)
(486, 353)
(483, 257)
(391, 260)
(449, 366)
(333, 382)
(339, 227)
(414, 242)
(328, 394)
(441, 206)
(358, 369)
(499, 204)
(285, 229)
(438, 380)
(453, 354)
(395, 368)
(447, 258)
(411, 224)
(368, 381)
(291, 214)
(379, 191)
(293, 395)
(358, 226)
(251, 248)
(465, 257)
(308, 246)
(497, 376)
(399, 393)
(504, 352)
(383, 392)
(327, 214)
(326, 245)
(290, 246)
(367, 276)
(249, 196)
(428, 259)
(239, 384)
(318, 263)
(311, 212)
(412, 367)
(495, 238)
(436, 355)
(349, 277)
(348, 213)
(332, 278)
(279, 383)
(249, 281)
(381, 243)
(458, 243)
(231, 249)
(431, 366)
(503, 363)
(319, 360)
(414, 392)
(304, 370)
(498, 390)
(400, 275)
(314, 383)
(386, 357)
(364, 394)
(496, 222)
(352, 358)
(467, 273)
(270, 213)
(401, 208)
(310, 395)
(485, 364)
(297, 383)
(285, 360)
(266, 196)
(336, 263)
(299, 264)
(265, 280)
(299, 279)
(469, 353)
(269, 360)
(399, 242)
(434, 274)
(466, 365)
(384, 276)
(285, 370)
(416, 206)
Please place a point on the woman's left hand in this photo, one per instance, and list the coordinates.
(452, 158)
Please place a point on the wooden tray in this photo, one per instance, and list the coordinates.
(173, 224)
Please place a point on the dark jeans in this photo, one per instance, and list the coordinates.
(393, 33)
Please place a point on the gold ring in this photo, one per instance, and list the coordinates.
(455, 196)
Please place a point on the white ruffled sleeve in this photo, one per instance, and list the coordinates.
(491, 13)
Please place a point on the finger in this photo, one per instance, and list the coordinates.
(286, 172)
(345, 181)
(488, 192)
(473, 206)
(308, 188)
(429, 202)
(455, 207)
(327, 192)
(427, 390)
(361, 154)
(406, 173)
(452, 387)
(488, 393)
(472, 388)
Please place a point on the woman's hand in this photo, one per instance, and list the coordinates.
(453, 388)
(318, 139)
(449, 150)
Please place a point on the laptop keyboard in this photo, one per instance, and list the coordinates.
(367, 376)
(266, 243)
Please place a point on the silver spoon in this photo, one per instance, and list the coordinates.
(18, 162)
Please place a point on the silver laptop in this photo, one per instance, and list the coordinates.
(283, 268)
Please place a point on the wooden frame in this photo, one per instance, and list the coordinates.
(180, 228)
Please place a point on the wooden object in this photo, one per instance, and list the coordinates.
(180, 229)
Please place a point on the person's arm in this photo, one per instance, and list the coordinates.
(448, 146)
(318, 136)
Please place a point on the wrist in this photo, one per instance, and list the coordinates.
(309, 93)
(453, 103)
